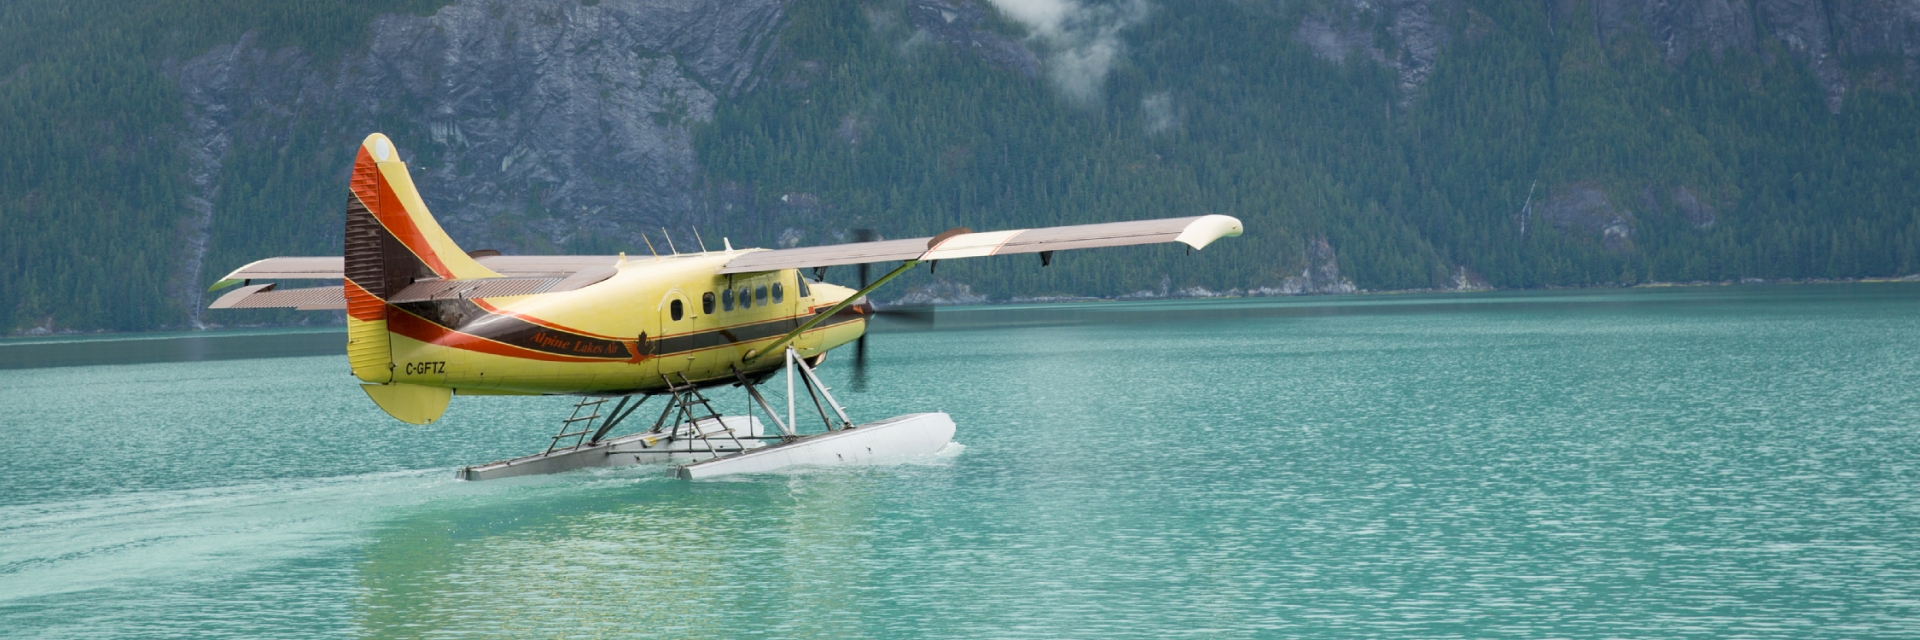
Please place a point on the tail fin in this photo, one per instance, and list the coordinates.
(391, 241)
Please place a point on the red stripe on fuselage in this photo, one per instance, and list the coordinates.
(483, 304)
(402, 322)
(405, 323)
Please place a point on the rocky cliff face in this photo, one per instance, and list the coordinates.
(531, 123)
(958, 25)
(1585, 210)
(1415, 34)
(1845, 43)
(534, 125)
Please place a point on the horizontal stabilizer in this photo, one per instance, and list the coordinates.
(265, 296)
(595, 268)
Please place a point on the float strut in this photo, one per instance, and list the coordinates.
(764, 406)
(613, 419)
(814, 382)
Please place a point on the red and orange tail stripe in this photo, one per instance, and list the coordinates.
(391, 241)
(383, 185)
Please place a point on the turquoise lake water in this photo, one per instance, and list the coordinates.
(1704, 462)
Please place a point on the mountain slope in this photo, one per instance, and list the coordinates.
(1380, 145)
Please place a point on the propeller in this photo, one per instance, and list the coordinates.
(860, 344)
(916, 317)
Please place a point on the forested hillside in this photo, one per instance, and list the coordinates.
(1713, 169)
(1399, 145)
(96, 199)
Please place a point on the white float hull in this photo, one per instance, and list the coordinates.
(742, 452)
(908, 435)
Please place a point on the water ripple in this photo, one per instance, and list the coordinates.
(1707, 463)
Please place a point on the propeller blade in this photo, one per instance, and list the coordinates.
(860, 344)
(860, 363)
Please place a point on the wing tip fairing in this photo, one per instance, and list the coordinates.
(1208, 228)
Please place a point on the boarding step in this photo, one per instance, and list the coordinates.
(638, 448)
(591, 406)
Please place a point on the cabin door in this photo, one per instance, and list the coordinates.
(801, 301)
(676, 324)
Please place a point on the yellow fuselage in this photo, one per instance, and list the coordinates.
(654, 318)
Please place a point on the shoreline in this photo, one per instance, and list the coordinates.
(44, 336)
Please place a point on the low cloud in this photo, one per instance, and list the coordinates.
(1084, 39)
(1159, 112)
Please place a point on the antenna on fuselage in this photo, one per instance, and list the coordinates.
(696, 238)
(649, 241)
(663, 231)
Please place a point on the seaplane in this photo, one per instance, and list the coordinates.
(427, 321)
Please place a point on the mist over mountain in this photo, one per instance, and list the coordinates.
(1368, 145)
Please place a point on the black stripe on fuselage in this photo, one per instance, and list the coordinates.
(748, 333)
(466, 317)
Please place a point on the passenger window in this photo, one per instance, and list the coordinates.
(706, 303)
(760, 294)
(726, 299)
(777, 294)
(746, 301)
(676, 310)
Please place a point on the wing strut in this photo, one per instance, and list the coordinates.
(818, 317)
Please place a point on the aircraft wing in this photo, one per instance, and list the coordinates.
(522, 275)
(288, 268)
(1196, 232)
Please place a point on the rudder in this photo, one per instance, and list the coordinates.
(391, 241)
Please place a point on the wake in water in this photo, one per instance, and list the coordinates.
(195, 534)
(210, 533)
(207, 533)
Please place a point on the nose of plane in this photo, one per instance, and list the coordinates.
(862, 306)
